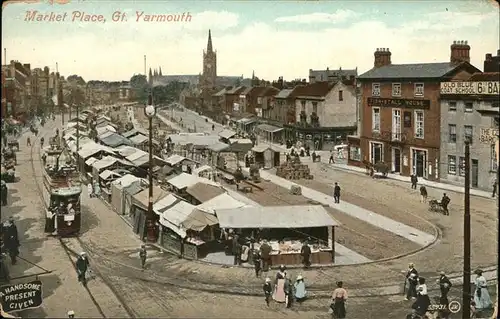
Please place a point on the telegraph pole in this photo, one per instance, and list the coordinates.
(466, 275)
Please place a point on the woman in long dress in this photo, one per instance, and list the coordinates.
(279, 286)
(481, 295)
(339, 298)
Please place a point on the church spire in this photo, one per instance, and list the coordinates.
(160, 72)
(209, 44)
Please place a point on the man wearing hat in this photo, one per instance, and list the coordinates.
(71, 314)
(82, 265)
(412, 278)
(4, 191)
(265, 255)
(444, 284)
(11, 239)
(268, 290)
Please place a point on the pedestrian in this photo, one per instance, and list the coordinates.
(339, 297)
(71, 314)
(279, 285)
(28, 141)
(90, 190)
(257, 263)
(265, 255)
(445, 201)
(423, 194)
(336, 193)
(288, 292)
(331, 160)
(444, 284)
(237, 248)
(82, 265)
(423, 301)
(305, 252)
(4, 191)
(412, 279)
(268, 290)
(414, 181)
(481, 295)
(495, 186)
(11, 239)
(300, 289)
(143, 253)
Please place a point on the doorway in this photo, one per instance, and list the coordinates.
(396, 160)
(419, 162)
(376, 153)
(474, 173)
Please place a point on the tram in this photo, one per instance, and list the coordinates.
(62, 183)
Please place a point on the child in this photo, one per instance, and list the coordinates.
(268, 290)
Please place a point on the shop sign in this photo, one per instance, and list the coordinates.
(401, 103)
(488, 135)
(17, 297)
(470, 88)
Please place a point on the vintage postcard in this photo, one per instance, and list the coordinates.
(242, 159)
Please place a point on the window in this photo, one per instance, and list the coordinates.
(468, 133)
(315, 107)
(376, 152)
(495, 122)
(375, 89)
(341, 95)
(452, 133)
(376, 119)
(452, 165)
(494, 163)
(396, 125)
(452, 106)
(355, 153)
(419, 89)
(303, 106)
(469, 107)
(419, 124)
(396, 89)
(461, 166)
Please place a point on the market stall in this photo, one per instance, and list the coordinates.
(285, 228)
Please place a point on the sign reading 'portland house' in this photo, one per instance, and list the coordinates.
(470, 88)
(18, 297)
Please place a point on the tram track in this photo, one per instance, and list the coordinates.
(66, 242)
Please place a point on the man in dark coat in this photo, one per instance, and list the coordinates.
(268, 290)
(445, 200)
(414, 181)
(288, 292)
(265, 255)
(143, 254)
(82, 265)
(412, 277)
(336, 193)
(256, 263)
(11, 239)
(237, 251)
(4, 192)
(444, 285)
(305, 252)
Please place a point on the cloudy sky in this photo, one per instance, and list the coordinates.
(274, 38)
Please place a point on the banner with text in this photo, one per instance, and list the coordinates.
(470, 88)
(17, 297)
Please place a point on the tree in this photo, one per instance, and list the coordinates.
(139, 85)
(166, 94)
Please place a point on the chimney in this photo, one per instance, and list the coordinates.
(498, 52)
(460, 52)
(488, 57)
(382, 57)
(27, 66)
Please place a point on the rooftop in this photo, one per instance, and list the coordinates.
(412, 71)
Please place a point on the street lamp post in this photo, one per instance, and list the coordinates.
(150, 112)
(467, 269)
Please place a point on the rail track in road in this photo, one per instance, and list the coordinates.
(66, 242)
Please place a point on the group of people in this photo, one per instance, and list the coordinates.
(416, 289)
(445, 200)
(284, 290)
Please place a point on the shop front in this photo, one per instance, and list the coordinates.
(318, 138)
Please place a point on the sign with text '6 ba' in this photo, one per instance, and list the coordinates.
(17, 297)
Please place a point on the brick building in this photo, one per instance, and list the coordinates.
(492, 63)
(400, 112)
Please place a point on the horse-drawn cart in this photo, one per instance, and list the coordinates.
(437, 207)
(381, 168)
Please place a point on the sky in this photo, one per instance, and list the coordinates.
(273, 38)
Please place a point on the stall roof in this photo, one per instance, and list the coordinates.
(114, 140)
(104, 134)
(141, 199)
(196, 140)
(105, 123)
(275, 217)
(227, 134)
(107, 174)
(125, 181)
(204, 192)
(174, 159)
(104, 162)
(185, 180)
(200, 169)
(103, 117)
(223, 201)
(269, 128)
(240, 141)
(218, 147)
(126, 150)
(174, 209)
(92, 148)
(133, 189)
(102, 130)
(246, 121)
(264, 147)
(141, 160)
(135, 131)
(138, 139)
(91, 161)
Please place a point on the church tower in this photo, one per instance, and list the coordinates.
(150, 80)
(209, 74)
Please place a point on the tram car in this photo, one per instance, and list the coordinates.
(62, 183)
